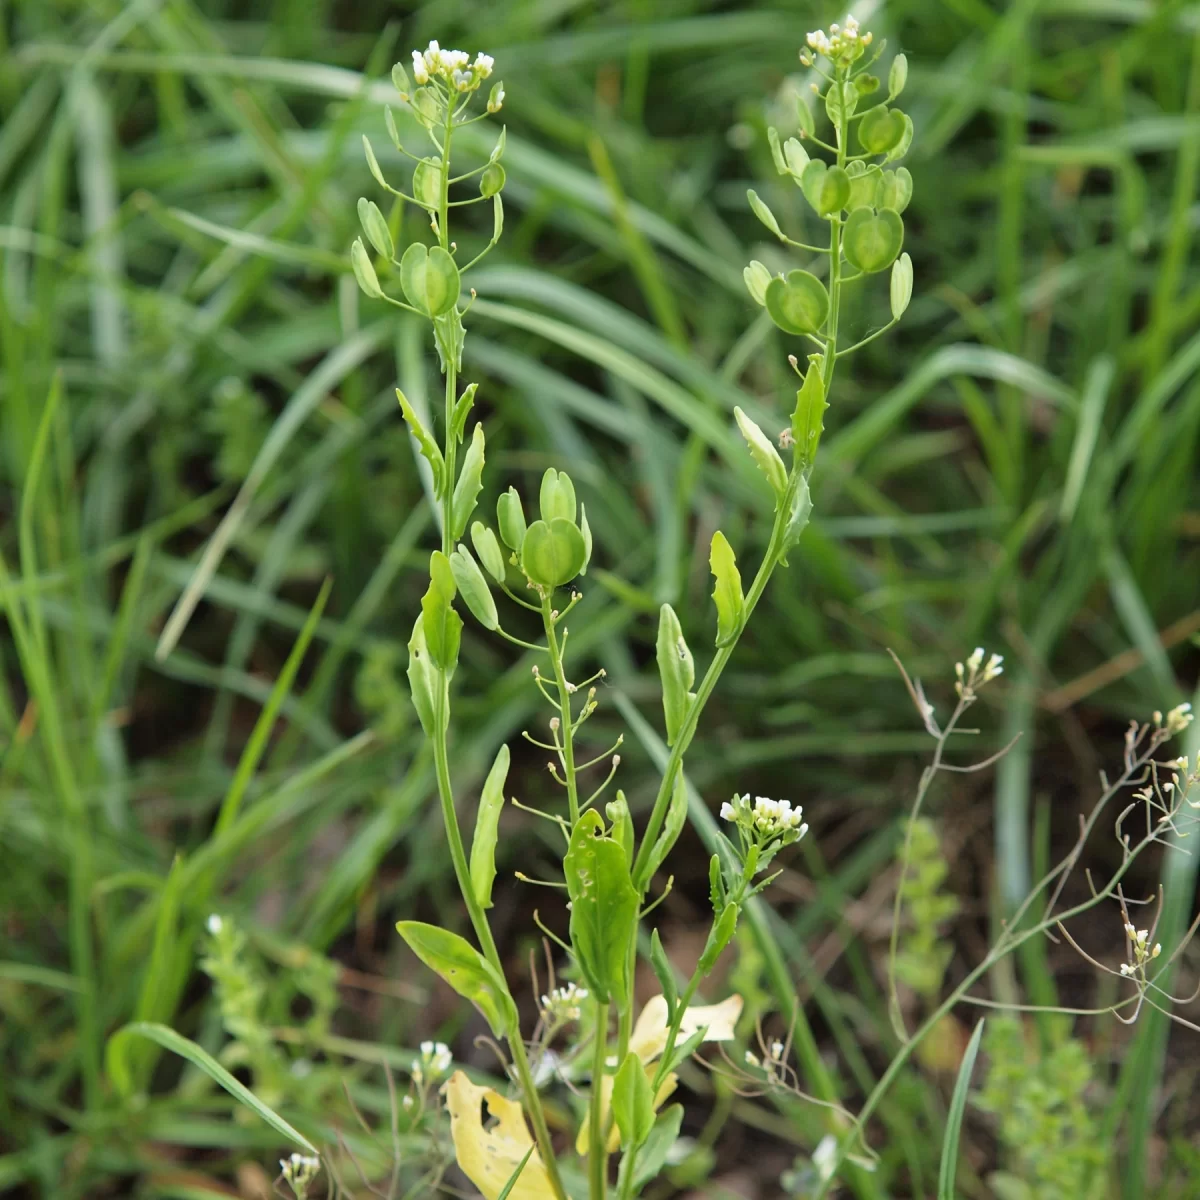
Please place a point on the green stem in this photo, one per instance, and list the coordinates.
(564, 704)
(597, 1134)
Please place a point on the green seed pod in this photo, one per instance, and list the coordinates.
(798, 303)
(757, 277)
(488, 550)
(364, 271)
(510, 517)
(895, 191)
(430, 279)
(901, 285)
(492, 180)
(474, 588)
(827, 189)
(557, 497)
(553, 552)
(375, 227)
(864, 187)
(872, 240)
(897, 76)
(881, 130)
(427, 184)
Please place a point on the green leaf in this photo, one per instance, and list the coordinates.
(633, 1102)
(375, 227)
(897, 76)
(487, 823)
(763, 452)
(664, 974)
(465, 970)
(510, 516)
(763, 213)
(430, 279)
(958, 1105)
(672, 827)
(425, 681)
(552, 553)
(470, 480)
(798, 517)
(798, 302)
(603, 905)
(364, 271)
(826, 188)
(880, 129)
(727, 591)
(487, 547)
(719, 936)
(491, 181)
(429, 448)
(676, 670)
(117, 1063)
(427, 184)
(871, 240)
(443, 626)
(473, 588)
(658, 1145)
(557, 497)
(896, 189)
(808, 417)
(757, 277)
(901, 285)
(462, 410)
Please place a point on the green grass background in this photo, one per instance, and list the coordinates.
(194, 395)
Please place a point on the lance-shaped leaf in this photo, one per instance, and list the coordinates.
(490, 1158)
(470, 481)
(808, 417)
(664, 973)
(487, 823)
(429, 448)
(465, 970)
(676, 670)
(719, 937)
(763, 452)
(462, 409)
(603, 906)
(426, 683)
(727, 590)
(658, 1146)
(443, 626)
(474, 588)
(633, 1102)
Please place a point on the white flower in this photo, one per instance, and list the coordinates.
(300, 1170)
(727, 813)
(483, 65)
(564, 1003)
(420, 70)
(462, 80)
(214, 924)
(496, 100)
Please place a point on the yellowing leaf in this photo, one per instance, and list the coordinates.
(488, 1157)
(649, 1037)
(583, 1140)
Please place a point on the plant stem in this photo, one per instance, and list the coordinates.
(564, 704)
(597, 1134)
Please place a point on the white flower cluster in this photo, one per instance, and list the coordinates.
(452, 66)
(1176, 721)
(564, 1003)
(766, 818)
(975, 672)
(299, 1171)
(435, 1061)
(1141, 953)
(840, 42)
